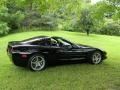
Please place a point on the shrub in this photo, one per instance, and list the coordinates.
(111, 29)
(4, 15)
(72, 25)
(12, 20)
(4, 29)
(15, 20)
(35, 20)
(67, 26)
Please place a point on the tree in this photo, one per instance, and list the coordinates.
(2, 3)
(86, 21)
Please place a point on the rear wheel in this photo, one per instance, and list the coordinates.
(96, 57)
(37, 62)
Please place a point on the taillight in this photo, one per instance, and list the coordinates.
(24, 56)
(13, 50)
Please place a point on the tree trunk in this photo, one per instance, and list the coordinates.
(88, 32)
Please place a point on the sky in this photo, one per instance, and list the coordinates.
(94, 1)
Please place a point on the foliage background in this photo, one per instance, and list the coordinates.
(71, 15)
(56, 18)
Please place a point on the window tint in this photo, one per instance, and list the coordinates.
(62, 42)
(54, 42)
(42, 42)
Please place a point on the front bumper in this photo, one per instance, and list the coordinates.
(104, 55)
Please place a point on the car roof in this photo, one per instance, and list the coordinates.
(35, 39)
(56, 37)
(39, 38)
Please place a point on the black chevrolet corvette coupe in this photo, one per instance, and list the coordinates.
(38, 51)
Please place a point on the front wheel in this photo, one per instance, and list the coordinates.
(96, 57)
(37, 62)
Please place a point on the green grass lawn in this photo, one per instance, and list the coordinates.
(81, 76)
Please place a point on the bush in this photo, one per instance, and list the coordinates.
(4, 15)
(67, 26)
(35, 20)
(12, 20)
(111, 29)
(15, 20)
(72, 25)
(4, 29)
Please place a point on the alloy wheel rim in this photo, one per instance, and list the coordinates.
(37, 63)
(96, 58)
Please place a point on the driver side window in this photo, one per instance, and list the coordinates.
(63, 43)
(54, 42)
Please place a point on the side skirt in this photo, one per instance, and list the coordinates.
(72, 59)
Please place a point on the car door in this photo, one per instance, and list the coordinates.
(70, 53)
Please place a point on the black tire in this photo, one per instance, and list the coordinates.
(96, 58)
(37, 62)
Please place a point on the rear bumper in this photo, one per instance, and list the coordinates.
(18, 60)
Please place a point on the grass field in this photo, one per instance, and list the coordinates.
(80, 76)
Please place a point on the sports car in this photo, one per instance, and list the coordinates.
(37, 52)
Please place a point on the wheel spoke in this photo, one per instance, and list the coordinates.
(39, 64)
(33, 62)
(37, 59)
(36, 66)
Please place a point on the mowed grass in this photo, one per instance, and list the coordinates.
(80, 76)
